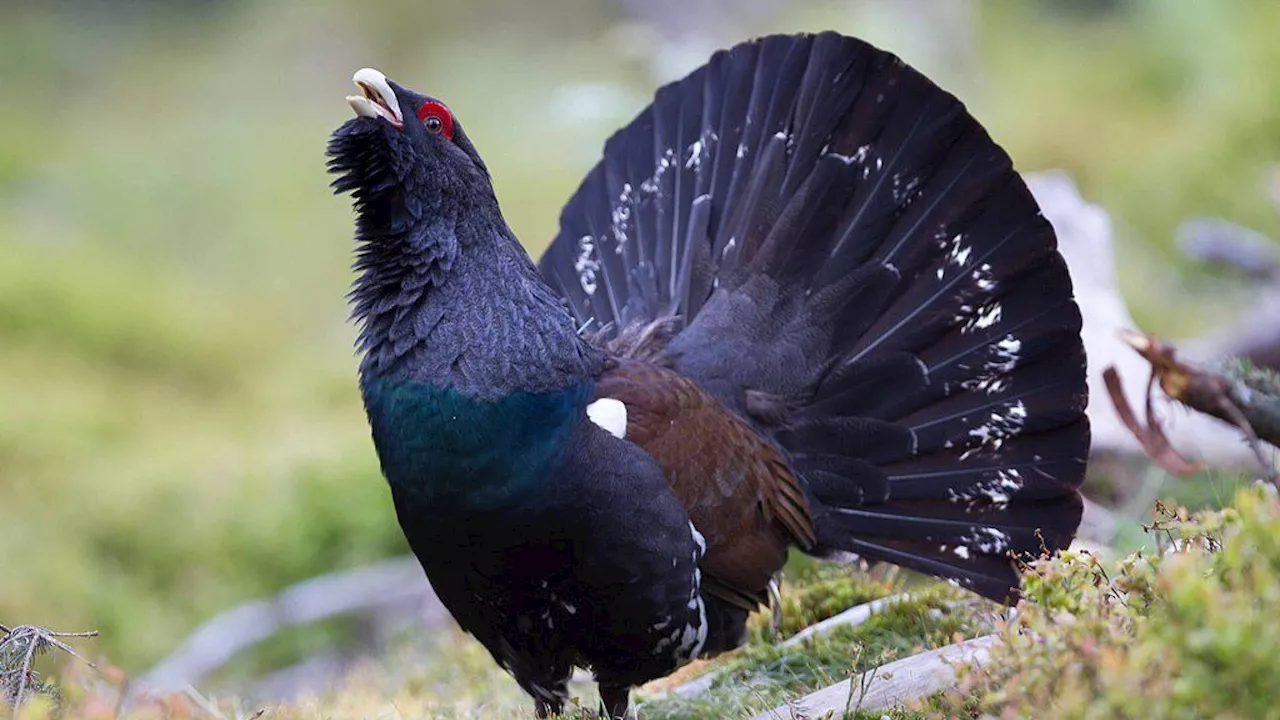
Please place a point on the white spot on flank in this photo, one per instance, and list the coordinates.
(961, 551)
(701, 542)
(742, 150)
(610, 414)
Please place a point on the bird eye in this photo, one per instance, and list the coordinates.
(436, 118)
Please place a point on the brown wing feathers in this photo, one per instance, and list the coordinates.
(737, 488)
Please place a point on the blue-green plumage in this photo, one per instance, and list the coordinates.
(446, 451)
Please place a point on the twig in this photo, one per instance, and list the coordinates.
(22, 643)
(1151, 437)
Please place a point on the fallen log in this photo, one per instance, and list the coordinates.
(897, 683)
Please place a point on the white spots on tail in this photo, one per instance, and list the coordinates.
(695, 155)
(610, 414)
(742, 150)
(620, 216)
(654, 182)
(999, 426)
(977, 310)
(1006, 354)
(956, 253)
(980, 540)
(1002, 358)
(993, 492)
(986, 315)
(865, 157)
(988, 540)
(700, 148)
(586, 265)
(983, 279)
(904, 189)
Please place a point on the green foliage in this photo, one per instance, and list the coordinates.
(1185, 632)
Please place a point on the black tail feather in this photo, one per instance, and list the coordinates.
(832, 229)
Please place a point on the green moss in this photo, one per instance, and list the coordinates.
(763, 676)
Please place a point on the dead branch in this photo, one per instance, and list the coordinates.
(1243, 397)
(18, 650)
(397, 583)
(1151, 435)
(896, 683)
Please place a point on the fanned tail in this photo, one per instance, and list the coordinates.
(853, 265)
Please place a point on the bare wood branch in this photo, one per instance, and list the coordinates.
(1151, 436)
(1221, 242)
(392, 583)
(852, 617)
(1244, 398)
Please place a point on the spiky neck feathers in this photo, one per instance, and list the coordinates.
(446, 296)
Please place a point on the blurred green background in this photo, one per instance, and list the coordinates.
(179, 424)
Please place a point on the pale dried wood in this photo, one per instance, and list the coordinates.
(390, 585)
(897, 683)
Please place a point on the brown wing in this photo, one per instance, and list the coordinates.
(737, 488)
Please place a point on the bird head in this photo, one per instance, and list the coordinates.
(403, 153)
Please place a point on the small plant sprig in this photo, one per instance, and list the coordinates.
(19, 647)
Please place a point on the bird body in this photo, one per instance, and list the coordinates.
(803, 301)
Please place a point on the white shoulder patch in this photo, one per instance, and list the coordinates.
(610, 414)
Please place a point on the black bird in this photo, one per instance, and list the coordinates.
(803, 300)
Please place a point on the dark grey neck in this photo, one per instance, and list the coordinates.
(453, 301)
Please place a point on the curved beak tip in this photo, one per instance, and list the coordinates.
(378, 100)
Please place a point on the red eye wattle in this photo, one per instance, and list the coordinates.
(437, 118)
